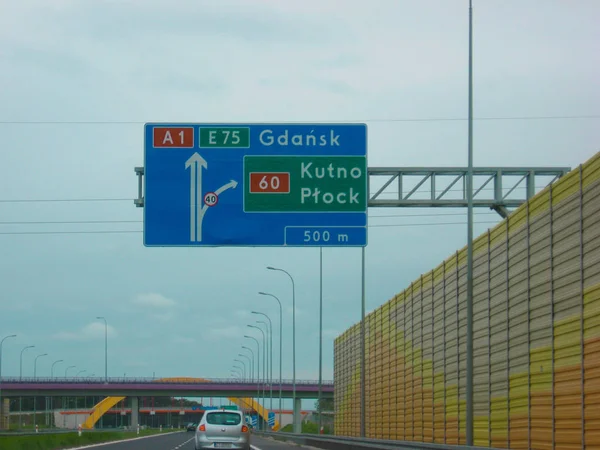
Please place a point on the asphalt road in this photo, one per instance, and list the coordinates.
(183, 441)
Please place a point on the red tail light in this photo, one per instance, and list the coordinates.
(202, 428)
(244, 429)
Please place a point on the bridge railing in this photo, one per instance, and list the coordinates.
(150, 380)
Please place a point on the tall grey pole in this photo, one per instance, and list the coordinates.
(34, 398)
(280, 352)
(20, 379)
(105, 348)
(363, 403)
(469, 412)
(296, 427)
(320, 399)
(243, 366)
(21, 361)
(263, 365)
(242, 372)
(270, 368)
(249, 377)
(35, 364)
(252, 362)
(1, 404)
(52, 367)
(257, 365)
(67, 369)
(52, 376)
(269, 362)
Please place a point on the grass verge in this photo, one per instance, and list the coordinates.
(67, 440)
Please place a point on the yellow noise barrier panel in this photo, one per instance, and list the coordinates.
(109, 402)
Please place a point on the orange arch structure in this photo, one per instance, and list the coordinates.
(109, 402)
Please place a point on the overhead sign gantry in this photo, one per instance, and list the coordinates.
(255, 185)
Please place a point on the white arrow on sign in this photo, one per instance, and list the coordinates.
(196, 163)
(231, 185)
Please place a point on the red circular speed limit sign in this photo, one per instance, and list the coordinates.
(211, 199)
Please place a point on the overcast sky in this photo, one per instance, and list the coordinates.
(119, 64)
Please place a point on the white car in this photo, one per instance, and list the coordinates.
(222, 429)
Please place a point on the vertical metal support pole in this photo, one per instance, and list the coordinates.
(530, 184)
(552, 316)
(469, 424)
(139, 202)
(280, 362)
(489, 326)
(433, 361)
(362, 350)
(320, 400)
(271, 372)
(498, 188)
(507, 281)
(529, 317)
(582, 306)
(135, 412)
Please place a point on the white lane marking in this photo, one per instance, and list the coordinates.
(254, 447)
(119, 441)
(181, 445)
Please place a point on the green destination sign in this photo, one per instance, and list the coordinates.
(305, 184)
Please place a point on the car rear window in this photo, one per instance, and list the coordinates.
(223, 418)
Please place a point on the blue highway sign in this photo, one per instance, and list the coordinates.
(255, 185)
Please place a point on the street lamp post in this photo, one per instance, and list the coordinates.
(280, 349)
(268, 359)
(105, 347)
(20, 379)
(270, 368)
(52, 376)
(2, 404)
(251, 361)
(64, 399)
(52, 367)
(35, 377)
(249, 372)
(241, 369)
(21, 361)
(80, 372)
(257, 363)
(35, 364)
(264, 364)
(296, 425)
(243, 366)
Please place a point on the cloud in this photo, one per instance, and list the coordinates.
(231, 331)
(135, 364)
(154, 300)
(93, 330)
(331, 334)
(163, 316)
(183, 340)
(289, 310)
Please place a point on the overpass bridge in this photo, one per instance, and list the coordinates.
(241, 393)
(166, 387)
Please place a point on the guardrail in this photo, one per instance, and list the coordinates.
(351, 443)
(93, 430)
(97, 380)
